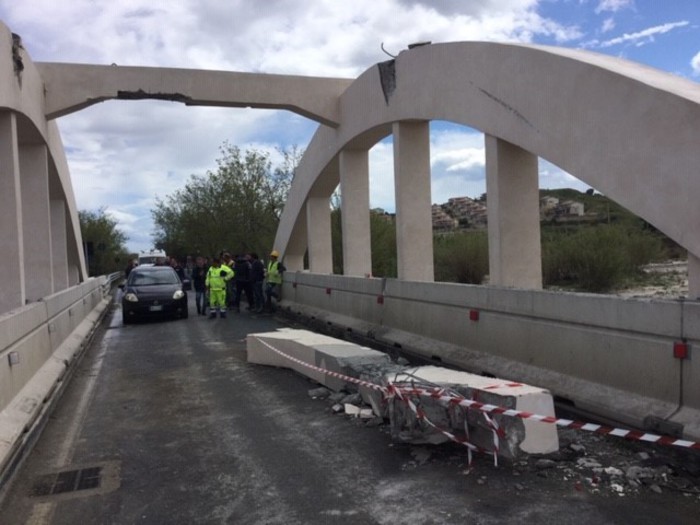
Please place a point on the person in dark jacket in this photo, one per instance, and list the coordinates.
(243, 283)
(199, 276)
(257, 277)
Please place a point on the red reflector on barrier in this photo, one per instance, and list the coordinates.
(328, 291)
(473, 315)
(380, 299)
(294, 285)
(680, 350)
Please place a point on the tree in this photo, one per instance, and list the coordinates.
(383, 243)
(235, 208)
(103, 242)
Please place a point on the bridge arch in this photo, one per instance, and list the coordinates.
(627, 130)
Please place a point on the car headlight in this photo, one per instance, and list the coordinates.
(131, 297)
(178, 294)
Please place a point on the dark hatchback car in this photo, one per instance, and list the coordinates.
(153, 291)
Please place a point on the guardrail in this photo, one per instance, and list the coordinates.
(39, 345)
(628, 360)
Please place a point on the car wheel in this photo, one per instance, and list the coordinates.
(126, 319)
(184, 315)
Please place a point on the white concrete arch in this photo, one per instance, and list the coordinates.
(40, 239)
(628, 130)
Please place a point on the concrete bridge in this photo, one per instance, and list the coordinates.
(627, 130)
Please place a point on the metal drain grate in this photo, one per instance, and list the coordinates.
(68, 481)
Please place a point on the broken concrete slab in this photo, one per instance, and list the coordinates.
(315, 349)
(516, 436)
(519, 436)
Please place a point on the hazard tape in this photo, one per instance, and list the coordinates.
(633, 435)
(460, 401)
(391, 392)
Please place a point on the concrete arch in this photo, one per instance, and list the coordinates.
(628, 130)
(37, 203)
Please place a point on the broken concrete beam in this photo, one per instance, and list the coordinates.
(319, 350)
(378, 376)
(520, 436)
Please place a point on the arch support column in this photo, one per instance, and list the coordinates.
(318, 224)
(38, 259)
(11, 241)
(59, 244)
(354, 191)
(414, 224)
(512, 189)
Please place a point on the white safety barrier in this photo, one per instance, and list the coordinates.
(39, 346)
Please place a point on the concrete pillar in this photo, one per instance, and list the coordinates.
(318, 223)
(354, 191)
(693, 277)
(11, 241)
(36, 218)
(414, 223)
(512, 188)
(59, 245)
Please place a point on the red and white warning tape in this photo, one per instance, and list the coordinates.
(454, 400)
(634, 435)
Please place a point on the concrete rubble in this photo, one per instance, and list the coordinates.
(517, 436)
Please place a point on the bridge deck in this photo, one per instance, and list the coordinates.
(185, 431)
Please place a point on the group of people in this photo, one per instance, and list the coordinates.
(220, 284)
(227, 279)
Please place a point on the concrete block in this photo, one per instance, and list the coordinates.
(318, 350)
(521, 436)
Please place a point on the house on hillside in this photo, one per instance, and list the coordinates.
(442, 222)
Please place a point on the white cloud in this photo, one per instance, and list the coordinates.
(695, 64)
(644, 36)
(613, 5)
(608, 25)
(123, 154)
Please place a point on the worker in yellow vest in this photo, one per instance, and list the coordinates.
(215, 282)
(273, 275)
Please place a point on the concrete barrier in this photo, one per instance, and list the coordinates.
(39, 344)
(607, 355)
(315, 349)
(520, 436)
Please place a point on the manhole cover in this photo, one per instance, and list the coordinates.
(67, 481)
(85, 481)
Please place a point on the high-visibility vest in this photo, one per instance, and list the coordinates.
(273, 273)
(214, 279)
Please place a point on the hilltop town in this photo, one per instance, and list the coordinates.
(464, 213)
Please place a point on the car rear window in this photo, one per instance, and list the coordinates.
(168, 276)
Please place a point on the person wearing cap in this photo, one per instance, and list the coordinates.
(274, 279)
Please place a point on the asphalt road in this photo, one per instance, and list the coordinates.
(185, 431)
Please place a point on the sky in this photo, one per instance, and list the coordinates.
(124, 154)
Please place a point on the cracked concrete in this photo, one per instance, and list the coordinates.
(140, 94)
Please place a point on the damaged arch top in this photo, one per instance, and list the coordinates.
(72, 87)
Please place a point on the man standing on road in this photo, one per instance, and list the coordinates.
(199, 277)
(274, 279)
(217, 278)
(257, 276)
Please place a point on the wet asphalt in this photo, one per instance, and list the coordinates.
(185, 431)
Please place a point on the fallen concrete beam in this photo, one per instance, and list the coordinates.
(519, 436)
(315, 349)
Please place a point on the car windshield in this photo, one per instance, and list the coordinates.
(166, 276)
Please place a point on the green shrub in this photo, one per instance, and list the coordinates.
(461, 257)
(598, 258)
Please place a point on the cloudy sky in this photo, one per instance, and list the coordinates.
(124, 154)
